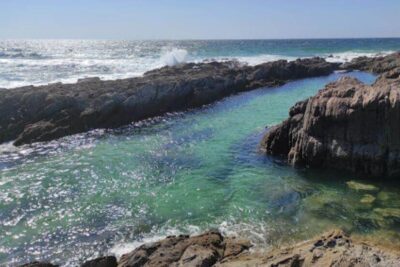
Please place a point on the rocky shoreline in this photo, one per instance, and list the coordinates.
(347, 125)
(32, 114)
(333, 248)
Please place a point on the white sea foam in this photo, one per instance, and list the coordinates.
(334, 57)
(41, 62)
(257, 233)
(174, 57)
(350, 55)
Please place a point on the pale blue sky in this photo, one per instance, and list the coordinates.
(200, 19)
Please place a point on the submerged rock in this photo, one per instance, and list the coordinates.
(31, 114)
(388, 212)
(367, 199)
(361, 187)
(348, 125)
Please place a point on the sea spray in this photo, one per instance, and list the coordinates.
(174, 57)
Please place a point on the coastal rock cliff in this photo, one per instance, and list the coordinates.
(348, 125)
(32, 114)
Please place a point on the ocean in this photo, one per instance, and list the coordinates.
(109, 191)
(36, 62)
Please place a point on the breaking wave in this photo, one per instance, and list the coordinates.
(19, 54)
(350, 55)
(39, 62)
(174, 57)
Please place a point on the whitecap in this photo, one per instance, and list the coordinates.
(347, 56)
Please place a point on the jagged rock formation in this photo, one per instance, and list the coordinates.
(348, 125)
(376, 65)
(31, 114)
(203, 250)
(334, 248)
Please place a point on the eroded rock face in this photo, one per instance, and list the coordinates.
(201, 251)
(31, 114)
(348, 125)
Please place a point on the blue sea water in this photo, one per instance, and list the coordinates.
(26, 62)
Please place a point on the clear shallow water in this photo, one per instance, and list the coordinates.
(26, 62)
(106, 192)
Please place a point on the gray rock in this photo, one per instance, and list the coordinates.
(33, 114)
(376, 65)
(109, 261)
(348, 125)
(38, 264)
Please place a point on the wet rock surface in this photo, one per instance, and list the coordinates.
(32, 114)
(347, 125)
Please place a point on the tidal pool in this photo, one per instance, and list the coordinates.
(107, 191)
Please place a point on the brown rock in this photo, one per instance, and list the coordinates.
(199, 256)
(203, 250)
(235, 246)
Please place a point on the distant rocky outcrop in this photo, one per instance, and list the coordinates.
(348, 125)
(376, 65)
(333, 248)
(32, 114)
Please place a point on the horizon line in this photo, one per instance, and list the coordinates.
(196, 39)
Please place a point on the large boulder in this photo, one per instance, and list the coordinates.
(348, 125)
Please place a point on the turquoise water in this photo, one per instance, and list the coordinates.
(27, 62)
(106, 191)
